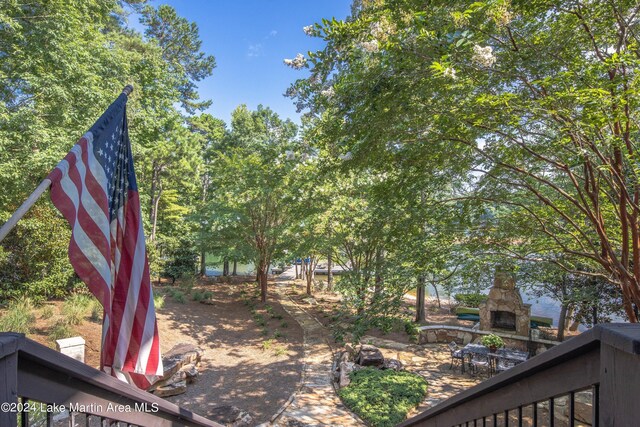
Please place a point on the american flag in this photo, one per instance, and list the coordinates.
(94, 187)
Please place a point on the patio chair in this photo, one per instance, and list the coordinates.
(456, 355)
(504, 364)
(481, 362)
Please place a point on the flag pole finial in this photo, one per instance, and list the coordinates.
(127, 90)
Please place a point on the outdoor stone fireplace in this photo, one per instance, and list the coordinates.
(504, 309)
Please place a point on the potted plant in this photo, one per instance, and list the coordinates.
(492, 341)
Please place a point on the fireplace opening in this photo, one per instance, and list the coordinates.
(503, 320)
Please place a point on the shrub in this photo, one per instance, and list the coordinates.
(280, 350)
(19, 316)
(77, 307)
(46, 312)
(266, 344)
(492, 340)
(383, 398)
(412, 330)
(96, 312)
(284, 325)
(61, 329)
(470, 300)
(158, 301)
(197, 296)
(179, 297)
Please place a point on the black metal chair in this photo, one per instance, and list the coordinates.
(504, 363)
(457, 355)
(481, 362)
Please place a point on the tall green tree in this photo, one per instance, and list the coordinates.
(253, 199)
(537, 100)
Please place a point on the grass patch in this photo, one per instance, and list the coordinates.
(158, 301)
(96, 312)
(46, 312)
(19, 316)
(179, 297)
(61, 329)
(197, 296)
(280, 350)
(76, 308)
(383, 397)
(266, 344)
(284, 325)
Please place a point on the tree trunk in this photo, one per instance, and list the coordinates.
(235, 267)
(377, 287)
(309, 277)
(262, 280)
(563, 310)
(329, 272)
(435, 290)
(203, 263)
(420, 297)
(295, 263)
(154, 215)
(225, 266)
(562, 321)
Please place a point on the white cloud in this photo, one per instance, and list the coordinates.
(255, 50)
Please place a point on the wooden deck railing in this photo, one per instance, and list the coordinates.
(36, 382)
(592, 379)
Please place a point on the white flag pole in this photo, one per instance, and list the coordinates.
(17, 215)
(33, 198)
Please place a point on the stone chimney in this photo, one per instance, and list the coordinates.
(504, 310)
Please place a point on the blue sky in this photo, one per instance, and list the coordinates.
(250, 39)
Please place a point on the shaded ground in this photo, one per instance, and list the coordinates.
(235, 369)
(253, 366)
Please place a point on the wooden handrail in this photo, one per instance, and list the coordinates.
(606, 356)
(38, 373)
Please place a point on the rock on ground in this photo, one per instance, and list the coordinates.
(230, 416)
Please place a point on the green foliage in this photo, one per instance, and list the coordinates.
(68, 61)
(60, 330)
(266, 344)
(179, 296)
(77, 307)
(279, 350)
(383, 397)
(412, 330)
(158, 301)
(470, 300)
(492, 340)
(46, 312)
(182, 261)
(18, 317)
(35, 260)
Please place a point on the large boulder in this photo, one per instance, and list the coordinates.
(394, 364)
(345, 369)
(230, 416)
(180, 355)
(370, 356)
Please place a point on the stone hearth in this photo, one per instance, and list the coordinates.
(504, 309)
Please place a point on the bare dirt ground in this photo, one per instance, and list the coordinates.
(246, 364)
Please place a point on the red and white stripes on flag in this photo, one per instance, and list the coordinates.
(95, 189)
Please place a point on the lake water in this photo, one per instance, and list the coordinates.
(214, 267)
(540, 306)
